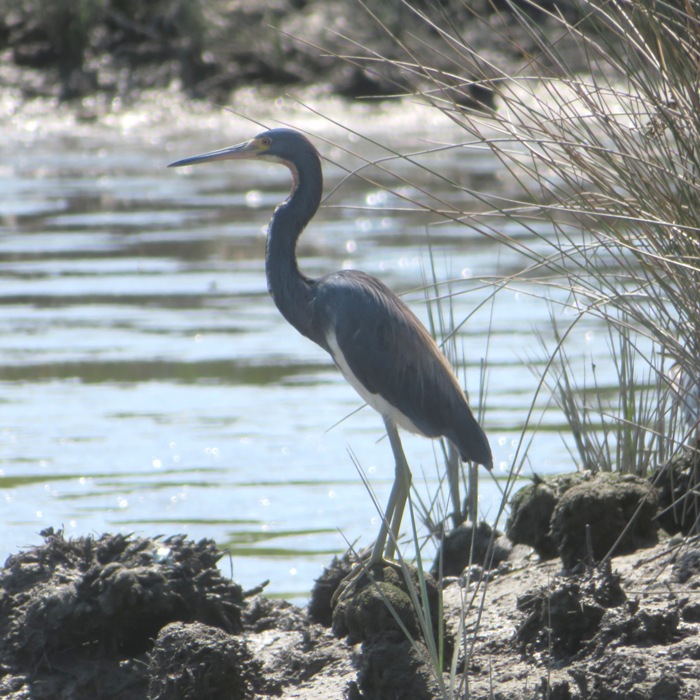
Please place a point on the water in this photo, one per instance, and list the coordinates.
(149, 385)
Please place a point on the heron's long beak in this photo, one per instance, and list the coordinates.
(248, 149)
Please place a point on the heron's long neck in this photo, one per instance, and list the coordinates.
(290, 290)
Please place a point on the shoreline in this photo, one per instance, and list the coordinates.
(130, 618)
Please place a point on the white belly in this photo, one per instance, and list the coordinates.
(376, 401)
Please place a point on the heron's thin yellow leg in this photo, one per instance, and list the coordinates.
(453, 483)
(402, 484)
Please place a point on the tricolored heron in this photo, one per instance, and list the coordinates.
(375, 340)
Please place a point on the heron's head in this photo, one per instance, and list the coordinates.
(279, 145)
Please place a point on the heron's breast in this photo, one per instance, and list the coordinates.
(376, 401)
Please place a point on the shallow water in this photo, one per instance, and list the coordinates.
(147, 382)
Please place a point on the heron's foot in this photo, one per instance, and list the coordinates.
(349, 584)
(364, 573)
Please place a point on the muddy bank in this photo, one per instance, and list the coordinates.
(132, 618)
(211, 49)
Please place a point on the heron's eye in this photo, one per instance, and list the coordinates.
(265, 141)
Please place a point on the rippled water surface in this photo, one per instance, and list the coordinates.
(149, 385)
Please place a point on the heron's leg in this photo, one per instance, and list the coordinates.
(378, 551)
(384, 546)
(453, 462)
(387, 519)
(402, 484)
(473, 495)
(397, 498)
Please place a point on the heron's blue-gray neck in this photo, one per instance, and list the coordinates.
(290, 290)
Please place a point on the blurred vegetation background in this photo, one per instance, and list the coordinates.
(74, 48)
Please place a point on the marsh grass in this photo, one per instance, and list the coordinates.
(628, 427)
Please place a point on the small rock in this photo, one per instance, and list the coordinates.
(468, 545)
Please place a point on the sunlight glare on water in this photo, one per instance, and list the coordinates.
(149, 385)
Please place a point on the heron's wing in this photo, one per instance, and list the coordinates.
(372, 334)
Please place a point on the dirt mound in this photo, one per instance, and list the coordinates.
(127, 618)
(84, 605)
(390, 610)
(582, 517)
(196, 661)
(531, 510)
(320, 604)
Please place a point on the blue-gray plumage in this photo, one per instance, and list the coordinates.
(376, 341)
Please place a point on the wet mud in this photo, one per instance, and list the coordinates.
(119, 617)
